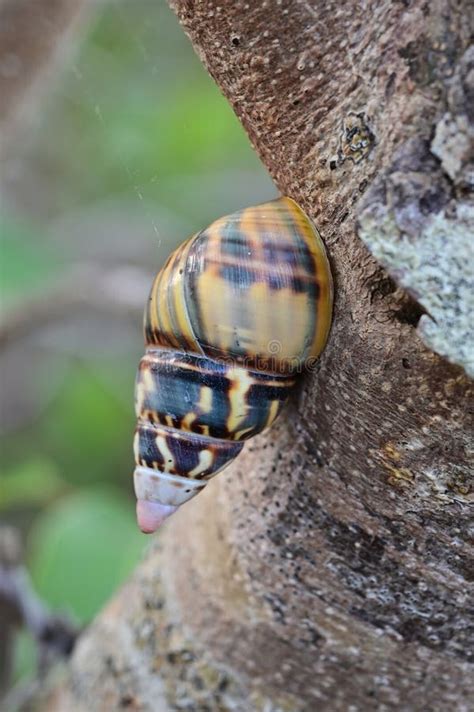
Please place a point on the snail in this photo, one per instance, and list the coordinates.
(232, 318)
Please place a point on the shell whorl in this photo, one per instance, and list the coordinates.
(235, 313)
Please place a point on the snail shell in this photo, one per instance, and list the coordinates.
(234, 315)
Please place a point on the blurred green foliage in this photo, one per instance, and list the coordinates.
(87, 424)
(140, 113)
(33, 482)
(97, 533)
(25, 265)
(133, 121)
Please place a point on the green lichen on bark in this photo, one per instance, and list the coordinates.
(418, 217)
(437, 268)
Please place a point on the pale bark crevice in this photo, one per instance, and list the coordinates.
(331, 566)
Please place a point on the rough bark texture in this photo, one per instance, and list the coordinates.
(331, 567)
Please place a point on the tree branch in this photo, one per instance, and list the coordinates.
(330, 567)
(20, 606)
(119, 289)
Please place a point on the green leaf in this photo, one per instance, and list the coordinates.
(82, 548)
(33, 482)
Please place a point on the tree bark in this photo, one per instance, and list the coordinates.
(330, 568)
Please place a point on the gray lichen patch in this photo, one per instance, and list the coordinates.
(418, 220)
(413, 224)
(436, 268)
(448, 284)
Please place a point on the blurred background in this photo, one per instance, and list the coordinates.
(131, 150)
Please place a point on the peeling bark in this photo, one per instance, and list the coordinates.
(330, 568)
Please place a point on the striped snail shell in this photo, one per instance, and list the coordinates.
(233, 316)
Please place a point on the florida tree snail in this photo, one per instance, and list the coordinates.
(232, 317)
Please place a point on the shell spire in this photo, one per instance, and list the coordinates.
(234, 315)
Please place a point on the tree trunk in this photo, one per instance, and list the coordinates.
(330, 567)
